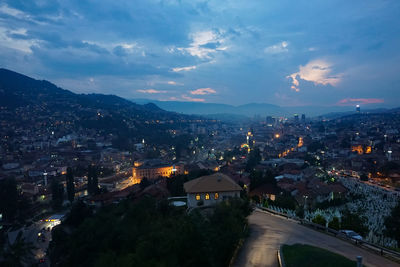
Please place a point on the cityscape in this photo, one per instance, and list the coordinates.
(199, 134)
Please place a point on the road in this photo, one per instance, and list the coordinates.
(268, 232)
(31, 235)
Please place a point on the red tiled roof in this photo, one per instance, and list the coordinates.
(217, 182)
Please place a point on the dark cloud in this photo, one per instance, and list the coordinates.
(233, 47)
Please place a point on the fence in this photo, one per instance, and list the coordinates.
(383, 251)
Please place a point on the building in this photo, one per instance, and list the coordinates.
(211, 189)
(296, 118)
(270, 120)
(153, 169)
(29, 189)
(358, 109)
(303, 118)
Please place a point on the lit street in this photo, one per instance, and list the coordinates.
(267, 232)
(39, 235)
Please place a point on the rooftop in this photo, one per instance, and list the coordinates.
(217, 182)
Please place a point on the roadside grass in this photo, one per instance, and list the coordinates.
(299, 255)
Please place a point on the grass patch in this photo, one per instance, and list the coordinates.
(299, 255)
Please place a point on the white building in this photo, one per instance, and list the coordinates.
(211, 189)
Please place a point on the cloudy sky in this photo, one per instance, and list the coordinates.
(290, 53)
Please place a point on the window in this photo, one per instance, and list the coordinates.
(216, 196)
(197, 197)
(207, 196)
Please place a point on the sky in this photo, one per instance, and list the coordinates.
(288, 53)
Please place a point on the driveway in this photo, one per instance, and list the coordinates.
(268, 232)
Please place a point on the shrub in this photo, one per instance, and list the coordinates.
(319, 219)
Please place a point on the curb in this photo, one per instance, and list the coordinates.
(281, 261)
(238, 247)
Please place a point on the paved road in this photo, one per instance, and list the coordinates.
(31, 235)
(268, 232)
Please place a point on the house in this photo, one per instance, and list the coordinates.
(211, 189)
(29, 189)
(265, 191)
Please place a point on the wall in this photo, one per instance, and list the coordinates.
(192, 202)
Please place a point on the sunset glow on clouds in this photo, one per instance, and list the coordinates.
(173, 83)
(203, 91)
(151, 91)
(317, 71)
(363, 101)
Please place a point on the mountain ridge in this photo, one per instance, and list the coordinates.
(248, 110)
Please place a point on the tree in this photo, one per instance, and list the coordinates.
(79, 212)
(147, 232)
(254, 159)
(355, 222)
(19, 253)
(89, 180)
(57, 191)
(392, 223)
(285, 200)
(334, 224)
(70, 185)
(93, 182)
(175, 185)
(258, 178)
(256, 199)
(8, 198)
(144, 183)
(300, 212)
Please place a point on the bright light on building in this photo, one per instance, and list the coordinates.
(277, 135)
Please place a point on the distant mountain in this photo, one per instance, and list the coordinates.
(249, 110)
(17, 90)
(335, 115)
(214, 108)
(41, 107)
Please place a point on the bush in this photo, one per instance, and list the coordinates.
(319, 219)
(265, 204)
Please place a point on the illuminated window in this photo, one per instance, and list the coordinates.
(207, 196)
(216, 196)
(197, 197)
